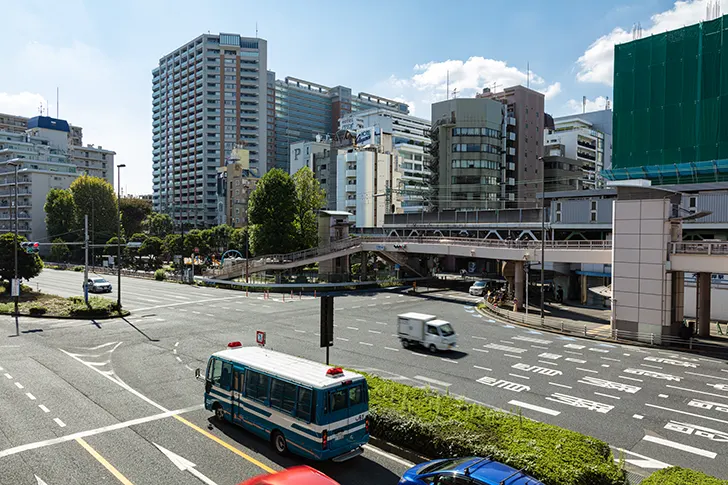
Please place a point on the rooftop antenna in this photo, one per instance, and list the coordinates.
(528, 74)
(583, 104)
(256, 29)
(455, 93)
(58, 95)
(608, 105)
(40, 108)
(447, 88)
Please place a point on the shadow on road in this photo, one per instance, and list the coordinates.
(139, 330)
(447, 354)
(357, 471)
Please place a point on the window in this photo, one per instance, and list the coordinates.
(256, 386)
(558, 211)
(337, 400)
(593, 211)
(227, 373)
(303, 404)
(282, 395)
(215, 371)
(432, 330)
(356, 395)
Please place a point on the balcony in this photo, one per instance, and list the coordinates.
(586, 144)
(351, 187)
(351, 173)
(350, 202)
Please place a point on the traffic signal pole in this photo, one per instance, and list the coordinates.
(85, 265)
(16, 283)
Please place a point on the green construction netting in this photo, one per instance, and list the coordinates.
(671, 97)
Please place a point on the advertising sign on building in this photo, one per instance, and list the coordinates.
(365, 137)
(351, 123)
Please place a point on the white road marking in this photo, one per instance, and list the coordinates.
(450, 361)
(481, 350)
(1, 369)
(695, 390)
(588, 370)
(605, 365)
(392, 349)
(533, 407)
(539, 347)
(638, 416)
(8, 376)
(374, 331)
(577, 361)
(372, 304)
(189, 368)
(631, 378)
(30, 396)
(609, 358)
(178, 359)
(531, 339)
(174, 351)
(418, 354)
(342, 339)
(176, 344)
(19, 385)
(514, 356)
(483, 368)
(653, 366)
(360, 320)
(606, 395)
(59, 422)
(395, 459)
(433, 381)
(680, 446)
(518, 375)
(627, 355)
(354, 307)
(353, 328)
(209, 315)
(299, 331)
(579, 402)
(366, 343)
(664, 396)
(686, 413)
(195, 312)
(548, 362)
(706, 375)
(474, 336)
(381, 323)
(710, 360)
(644, 462)
(44, 409)
(560, 385)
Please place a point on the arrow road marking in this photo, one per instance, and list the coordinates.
(39, 480)
(642, 461)
(184, 465)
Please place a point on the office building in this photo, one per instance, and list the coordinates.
(303, 153)
(304, 109)
(208, 95)
(574, 154)
(410, 141)
(670, 116)
(18, 124)
(235, 182)
(475, 157)
(367, 175)
(45, 161)
(526, 106)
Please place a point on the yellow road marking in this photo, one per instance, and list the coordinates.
(226, 445)
(103, 461)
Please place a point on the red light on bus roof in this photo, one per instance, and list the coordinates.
(335, 372)
(233, 345)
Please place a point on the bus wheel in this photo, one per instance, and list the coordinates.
(279, 442)
(219, 413)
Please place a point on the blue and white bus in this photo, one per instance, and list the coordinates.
(311, 409)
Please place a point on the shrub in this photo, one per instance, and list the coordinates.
(37, 310)
(78, 268)
(442, 426)
(160, 275)
(97, 307)
(681, 476)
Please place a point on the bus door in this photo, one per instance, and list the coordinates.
(337, 414)
(236, 394)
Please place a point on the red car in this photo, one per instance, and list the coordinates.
(297, 475)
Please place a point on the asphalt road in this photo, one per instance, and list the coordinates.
(87, 402)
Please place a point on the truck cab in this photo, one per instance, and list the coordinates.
(425, 330)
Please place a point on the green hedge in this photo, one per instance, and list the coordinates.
(681, 476)
(97, 307)
(160, 275)
(441, 426)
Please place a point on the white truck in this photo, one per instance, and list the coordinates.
(426, 330)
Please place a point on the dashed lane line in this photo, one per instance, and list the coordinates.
(374, 331)
(587, 370)
(533, 407)
(392, 349)
(607, 395)
(519, 376)
(706, 375)
(19, 385)
(560, 385)
(30, 396)
(680, 446)
(483, 368)
(686, 413)
(42, 408)
(59, 422)
(366, 343)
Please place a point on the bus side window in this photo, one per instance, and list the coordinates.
(337, 400)
(216, 371)
(256, 386)
(282, 395)
(303, 404)
(227, 375)
(238, 379)
(355, 395)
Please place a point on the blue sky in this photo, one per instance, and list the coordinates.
(101, 54)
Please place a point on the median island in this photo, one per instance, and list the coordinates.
(36, 304)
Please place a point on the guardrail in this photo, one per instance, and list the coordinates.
(717, 248)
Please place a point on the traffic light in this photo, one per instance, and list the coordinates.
(30, 247)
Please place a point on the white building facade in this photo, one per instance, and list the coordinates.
(303, 153)
(208, 95)
(577, 139)
(410, 141)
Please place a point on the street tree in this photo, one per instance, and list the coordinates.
(135, 253)
(29, 264)
(59, 251)
(133, 213)
(152, 247)
(60, 215)
(238, 239)
(110, 248)
(310, 198)
(94, 196)
(173, 245)
(157, 224)
(272, 213)
(195, 239)
(219, 237)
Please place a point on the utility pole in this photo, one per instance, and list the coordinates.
(118, 234)
(85, 264)
(16, 283)
(93, 236)
(543, 234)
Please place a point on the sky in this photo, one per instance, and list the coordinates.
(100, 55)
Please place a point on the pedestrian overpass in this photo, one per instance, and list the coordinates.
(573, 251)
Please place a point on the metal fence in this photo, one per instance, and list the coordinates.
(719, 248)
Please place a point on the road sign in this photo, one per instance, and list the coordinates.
(260, 338)
(133, 244)
(15, 290)
(327, 321)
(396, 267)
(197, 250)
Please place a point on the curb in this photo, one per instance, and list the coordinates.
(635, 343)
(52, 317)
(398, 451)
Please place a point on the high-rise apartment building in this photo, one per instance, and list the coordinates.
(305, 109)
(18, 124)
(526, 106)
(45, 161)
(208, 95)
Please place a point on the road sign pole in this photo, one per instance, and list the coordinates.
(327, 323)
(85, 264)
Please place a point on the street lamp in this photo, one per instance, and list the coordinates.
(15, 286)
(118, 233)
(543, 233)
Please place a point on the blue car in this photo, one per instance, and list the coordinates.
(466, 471)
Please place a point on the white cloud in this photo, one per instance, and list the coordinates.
(429, 82)
(597, 63)
(574, 106)
(24, 104)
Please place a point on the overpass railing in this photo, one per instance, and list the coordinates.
(717, 248)
(492, 243)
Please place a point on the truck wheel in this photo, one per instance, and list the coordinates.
(405, 344)
(433, 349)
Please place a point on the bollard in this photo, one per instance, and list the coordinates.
(300, 295)
(562, 326)
(291, 294)
(691, 343)
(652, 339)
(585, 330)
(246, 292)
(314, 293)
(284, 297)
